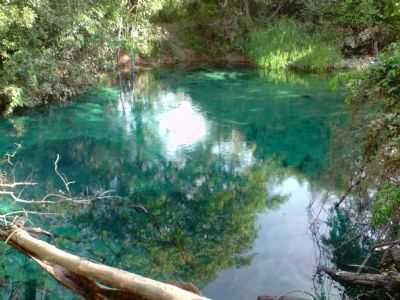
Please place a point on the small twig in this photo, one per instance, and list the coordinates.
(16, 184)
(100, 196)
(365, 261)
(370, 268)
(61, 176)
(316, 218)
(28, 212)
(38, 230)
(283, 297)
(346, 194)
(371, 250)
(348, 241)
(384, 244)
(12, 155)
(64, 198)
(275, 12)
(18, 199)
(12, 234)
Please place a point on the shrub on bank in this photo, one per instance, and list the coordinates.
(379, 88)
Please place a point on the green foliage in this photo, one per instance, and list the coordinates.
(321, 58)
(50, 50)
(146, 35)
(171, 11)
(386, 206)
(208, 29)
(386, 74)
(288, 43)
(363, 13)
(376, 123)
(378, 84)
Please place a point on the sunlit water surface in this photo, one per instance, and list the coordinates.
(224, 162)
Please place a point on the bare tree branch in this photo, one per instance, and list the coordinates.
(101, 277)
(16, 184)
(18, 199)
(62, 176)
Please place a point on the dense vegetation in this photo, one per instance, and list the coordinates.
(379, 132)
(51, 50)
(373, 135)
(372, 201)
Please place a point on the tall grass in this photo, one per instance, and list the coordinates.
(290, 44)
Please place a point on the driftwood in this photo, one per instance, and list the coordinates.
(388, 281)
(92, 280)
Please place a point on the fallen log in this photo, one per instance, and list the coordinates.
(93, 280)
(279, 298)
(388, 281)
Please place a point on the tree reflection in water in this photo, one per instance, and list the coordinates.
(191, 174)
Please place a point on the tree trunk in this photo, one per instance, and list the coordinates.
(389, 281)
(93, 280)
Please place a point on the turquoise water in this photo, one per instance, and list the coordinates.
(224, 164)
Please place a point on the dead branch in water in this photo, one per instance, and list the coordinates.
(89, 279)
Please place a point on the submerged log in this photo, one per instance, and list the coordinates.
(388, 281)
(92, 280)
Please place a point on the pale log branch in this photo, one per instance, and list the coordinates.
(110, 277)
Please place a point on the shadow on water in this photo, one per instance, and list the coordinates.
(213, 169)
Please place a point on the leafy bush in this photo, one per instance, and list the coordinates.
(386, 73)
(363, 13)
(290, 43)
(50, 50)
(386, 205)
(376, 94)
(380, 83)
